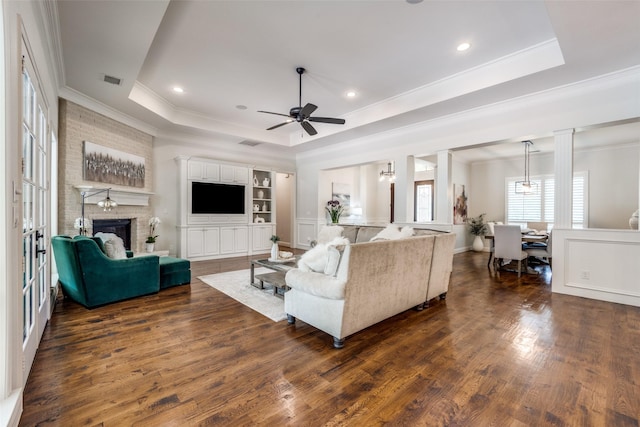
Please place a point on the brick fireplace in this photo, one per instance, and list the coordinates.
(76, 125)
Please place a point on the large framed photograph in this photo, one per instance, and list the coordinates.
(103, 164)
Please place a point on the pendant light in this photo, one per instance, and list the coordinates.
(527, 186)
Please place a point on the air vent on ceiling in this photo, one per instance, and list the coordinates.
(249, 143)
(112, 80)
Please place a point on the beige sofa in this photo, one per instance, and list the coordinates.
(373, 281)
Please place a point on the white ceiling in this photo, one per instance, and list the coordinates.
(400, 58)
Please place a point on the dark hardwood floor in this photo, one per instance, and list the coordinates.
(498, 351)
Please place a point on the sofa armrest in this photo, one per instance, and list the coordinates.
(317, 284)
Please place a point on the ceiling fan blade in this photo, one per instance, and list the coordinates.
(327, 120)
(278, 125)
(307, 126)
(277, 114)
(307, 110)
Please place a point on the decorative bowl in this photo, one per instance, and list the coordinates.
(285, 254)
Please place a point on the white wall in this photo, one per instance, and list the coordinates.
(284, 207)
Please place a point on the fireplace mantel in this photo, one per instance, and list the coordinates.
(121, 197)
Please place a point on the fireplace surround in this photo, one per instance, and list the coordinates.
(120, 227)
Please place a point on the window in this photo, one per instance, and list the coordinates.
(539, 206)
(423, 201)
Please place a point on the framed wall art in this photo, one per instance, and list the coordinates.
(108, 165)
(460, 204)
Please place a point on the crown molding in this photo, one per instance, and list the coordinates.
(90, 103)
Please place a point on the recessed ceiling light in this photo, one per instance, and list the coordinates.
(414, 1)
(351, 94)
(241, 107)
(178, 89)
(463, 46)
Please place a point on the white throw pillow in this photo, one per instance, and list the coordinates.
(333, 261)
(317, 258)
(115, 248)
(392, 232)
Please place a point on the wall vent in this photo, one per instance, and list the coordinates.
(113, 80)
(249, 143)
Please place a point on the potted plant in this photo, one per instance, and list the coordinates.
(478, 228)
(151, 238)
(335, 209)
(274, 247)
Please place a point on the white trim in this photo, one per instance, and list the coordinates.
(121, 197)
(78, 98)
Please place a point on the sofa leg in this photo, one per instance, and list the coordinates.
(443, 296)
(420, 307)
(338, 343)
(291, 319)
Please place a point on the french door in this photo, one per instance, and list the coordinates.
(35, 214)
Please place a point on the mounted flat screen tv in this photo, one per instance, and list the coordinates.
(210, 198)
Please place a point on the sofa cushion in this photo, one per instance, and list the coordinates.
(393, 232)
(114, 248)
(317, 258)
(315, 284)
(350, 232)
(365, 234)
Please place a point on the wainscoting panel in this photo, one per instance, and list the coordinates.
(598, 264)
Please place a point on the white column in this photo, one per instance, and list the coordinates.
(563, 178)
(399, 165)
(444, 193)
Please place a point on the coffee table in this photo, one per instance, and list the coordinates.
(276, 278)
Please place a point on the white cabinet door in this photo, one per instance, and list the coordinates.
(261, 238)
(203, 242)
(234, 239)
(195, 243)
(195, 169)
(211, 172)
(204, 171)
(227, 236)
(212, 241)
(235, 174)
(242, 239)
(241, 175)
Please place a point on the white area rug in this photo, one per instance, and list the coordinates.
(236, 285)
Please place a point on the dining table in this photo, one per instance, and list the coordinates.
(526, 238)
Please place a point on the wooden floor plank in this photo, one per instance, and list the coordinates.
(498, 351)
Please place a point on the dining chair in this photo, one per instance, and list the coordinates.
(542, 251)
(508, 245)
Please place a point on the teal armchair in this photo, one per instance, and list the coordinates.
(92, 279)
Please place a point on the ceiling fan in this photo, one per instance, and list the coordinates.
(302, 114)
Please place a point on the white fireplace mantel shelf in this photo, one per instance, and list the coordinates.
(121, 197)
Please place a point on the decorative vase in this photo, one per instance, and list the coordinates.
(264, 206)
(149, 247)
(478, 244)
(265, 183)
(260, 194)
(255, 180)
(274, 251)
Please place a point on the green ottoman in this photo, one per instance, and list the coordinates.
(174, 271)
